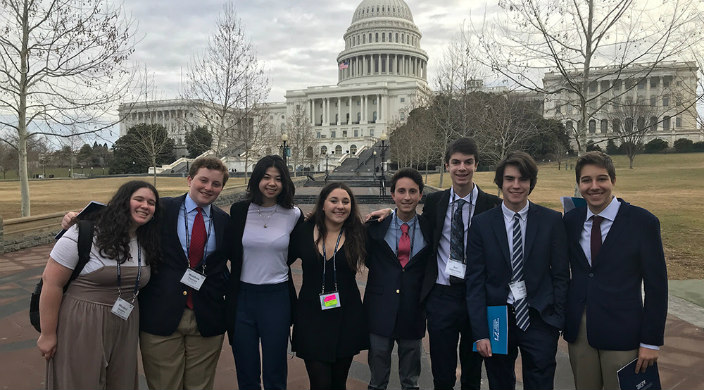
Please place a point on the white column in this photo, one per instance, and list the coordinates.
(349, 98)
(326, 121)
(363, 119)
(311, 104)
(339, 112)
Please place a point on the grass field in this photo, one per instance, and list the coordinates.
(671, 186)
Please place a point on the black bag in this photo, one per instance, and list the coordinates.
(85, 241)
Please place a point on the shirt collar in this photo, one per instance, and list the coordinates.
(609, 212)
(472, 194)
(191, 205)
(400, 222)
(508, 213)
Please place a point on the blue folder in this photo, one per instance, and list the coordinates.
(498, 329)
(648, 380)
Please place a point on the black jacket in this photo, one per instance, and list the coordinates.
(434, 210)
(163, 299)
(392, 295)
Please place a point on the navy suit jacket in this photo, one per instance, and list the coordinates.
(545, 266)
(434, 210)
(610, 291)
(392, 294)
(162, 300)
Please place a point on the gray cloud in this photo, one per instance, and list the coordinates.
(297, 40)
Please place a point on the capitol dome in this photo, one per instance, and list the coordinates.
(382, 8)
(382, 44)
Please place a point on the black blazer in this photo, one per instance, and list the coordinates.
(610, 291)
(162, 300)
(326, 335)
(392, 294)
(434, 210)
(238, 219)
(545, 266)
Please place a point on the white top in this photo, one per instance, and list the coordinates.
(265, 249)
(508, 224)
(65, 252)
(444, 244)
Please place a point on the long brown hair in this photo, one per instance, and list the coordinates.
(354, 229)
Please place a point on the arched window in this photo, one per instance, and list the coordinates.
(353, 149)
(569, 126)
(359, 117)
(604, 126)
(616, 125)
(666, 123)
(309, 152)
(374, 117)
(323, 150)
(338, 149)
(628, 125)
(641, 123)
(653, 123)
(592, 126)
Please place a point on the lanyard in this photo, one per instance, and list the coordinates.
(139, 275)
(469, 218)
(398, 235)
(334, 262)
(188, 237)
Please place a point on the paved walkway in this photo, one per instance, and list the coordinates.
(21, 366)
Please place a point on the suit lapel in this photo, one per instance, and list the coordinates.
(378, 234)
(575, 235)
(219, 225)
(499, 228)
(172, 212)
(617, 230)
(531, 230)
(440, 216)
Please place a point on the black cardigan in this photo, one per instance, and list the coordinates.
(238, 219)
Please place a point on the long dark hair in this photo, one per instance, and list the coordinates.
(354, 229)
(285, 198)
(113, 222)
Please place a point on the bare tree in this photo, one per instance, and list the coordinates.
(228, 82)
(627, 40)
(61, 64)
(301, 138)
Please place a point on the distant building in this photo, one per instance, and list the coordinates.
(663, 98)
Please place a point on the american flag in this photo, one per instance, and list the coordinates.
(344, 64)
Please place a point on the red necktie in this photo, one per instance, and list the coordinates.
(404, 246)
(196, 247)
(595, 240)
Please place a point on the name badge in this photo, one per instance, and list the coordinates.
(518, 289)
(455, 268)
(122, 308)
(193, 279)
(330, 300)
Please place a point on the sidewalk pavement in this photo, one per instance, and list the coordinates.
(21, 366)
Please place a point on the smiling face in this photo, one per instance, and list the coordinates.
(270, 186)
(596, 186)
(142, 206)
(337, 207)
(406, 196)
(515, 188)
(206, 186)
(462, 167)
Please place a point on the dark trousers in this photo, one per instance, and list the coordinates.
(448, 323)
(328, 375)
(263, 313)
(538, 346)
(409, 352)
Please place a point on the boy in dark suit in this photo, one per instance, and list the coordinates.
(614, 248)
(518, 258)
(397, 253)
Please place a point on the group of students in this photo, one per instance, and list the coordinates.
(466, 251)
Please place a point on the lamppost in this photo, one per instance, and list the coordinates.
(374, 166)
(284, 153)
(382, 180)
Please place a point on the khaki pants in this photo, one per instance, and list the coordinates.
(185, 360)
(596, 368)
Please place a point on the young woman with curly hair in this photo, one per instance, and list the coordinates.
(86, 344)
(330, 326)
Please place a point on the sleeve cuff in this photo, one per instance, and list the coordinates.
(655, 347)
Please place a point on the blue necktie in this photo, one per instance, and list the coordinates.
(457, 236)
(521, 306)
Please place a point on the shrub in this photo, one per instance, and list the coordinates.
(684, 145)
(656, 146)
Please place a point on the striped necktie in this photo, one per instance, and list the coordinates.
(521, 305)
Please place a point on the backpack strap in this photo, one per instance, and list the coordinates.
(85, 242)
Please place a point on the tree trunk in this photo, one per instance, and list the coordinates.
(22, 117)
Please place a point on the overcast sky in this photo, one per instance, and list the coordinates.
(297, 40)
